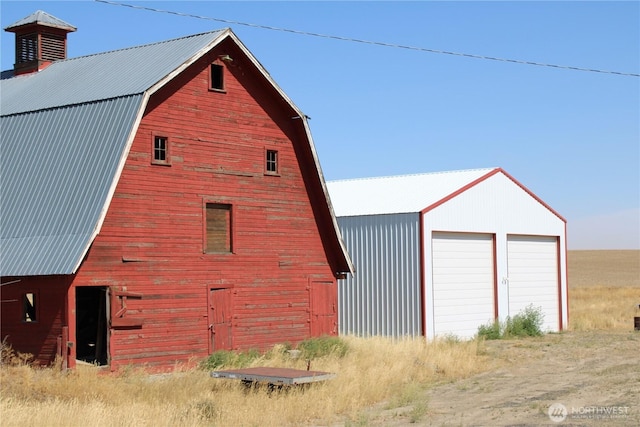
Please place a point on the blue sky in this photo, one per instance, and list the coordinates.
(571, 137)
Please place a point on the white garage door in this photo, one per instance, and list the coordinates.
(533, 277)
(463, 283)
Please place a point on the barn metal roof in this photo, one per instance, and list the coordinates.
(65, 132)
(398, 194)
(96, 77)
(53, 193)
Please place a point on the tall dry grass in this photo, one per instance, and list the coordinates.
(604, 289)
(373, 370)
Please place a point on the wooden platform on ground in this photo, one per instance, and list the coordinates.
(274, 376)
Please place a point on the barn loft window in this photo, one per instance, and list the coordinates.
(217, 77)
(29, 312)
(218, 217)
(271, 162)
(160, 150)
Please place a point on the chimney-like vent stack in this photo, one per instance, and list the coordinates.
(40, 40)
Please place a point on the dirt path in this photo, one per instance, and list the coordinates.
(594, 375)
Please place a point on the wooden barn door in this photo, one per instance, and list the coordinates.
(324, 301)
(92, 319)
(219, 319)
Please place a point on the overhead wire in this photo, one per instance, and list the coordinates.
(376, 43)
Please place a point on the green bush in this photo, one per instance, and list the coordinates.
(229, 359)
(528, 323)
(525, 324)
(314, 348)
(490, 331)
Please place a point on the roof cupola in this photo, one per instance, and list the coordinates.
(40, 40)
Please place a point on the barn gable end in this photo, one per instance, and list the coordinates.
(209, 227)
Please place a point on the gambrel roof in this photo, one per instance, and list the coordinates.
(66, 132)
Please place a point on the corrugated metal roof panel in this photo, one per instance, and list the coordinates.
(64, 132)
(101, 76)
(397, 194)
(57, 169)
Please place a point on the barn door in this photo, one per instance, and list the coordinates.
(324, 300)
(92, 319)
(219, 319)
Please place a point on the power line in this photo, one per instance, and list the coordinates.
(353, 40)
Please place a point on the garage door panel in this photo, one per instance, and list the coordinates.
(533, 277)
(520, 302)
(477, 294)
(477, 263)
(528, 296)
(470, 318)
(463, 282)
(457, 324)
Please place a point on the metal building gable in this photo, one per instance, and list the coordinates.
(398, 194)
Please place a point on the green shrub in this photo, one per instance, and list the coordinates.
(229, 359)
(314, 348)
(528, 323)
(490, 331)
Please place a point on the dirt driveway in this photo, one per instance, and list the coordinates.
(587, 378)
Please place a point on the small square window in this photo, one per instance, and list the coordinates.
(217, 77)
(29, 307)
(160, 150)
(272, 162)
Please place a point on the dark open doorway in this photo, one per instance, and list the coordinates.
(91, 324)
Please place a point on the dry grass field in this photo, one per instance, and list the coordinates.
(604, 289)
(380, 381)
(373, 370)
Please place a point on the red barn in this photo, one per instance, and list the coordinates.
(158, 203)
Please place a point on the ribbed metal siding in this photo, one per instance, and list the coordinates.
(57, 168)
(383, 297)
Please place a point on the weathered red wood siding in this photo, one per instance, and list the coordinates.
(39, 338)
(152, 239)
